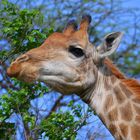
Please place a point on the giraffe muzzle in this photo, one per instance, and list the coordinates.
(15, 68)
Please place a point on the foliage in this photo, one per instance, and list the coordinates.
(17, 101)
(60, 125)
(64, 125)
(21, 28)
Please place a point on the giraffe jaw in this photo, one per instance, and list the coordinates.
(61, 82)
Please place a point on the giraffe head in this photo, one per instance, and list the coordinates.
(66, 61)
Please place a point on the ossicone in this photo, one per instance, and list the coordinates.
(86, 20)
(70, 27)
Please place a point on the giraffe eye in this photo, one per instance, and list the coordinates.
(78, 52)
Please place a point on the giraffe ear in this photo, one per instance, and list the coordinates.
(110, 44)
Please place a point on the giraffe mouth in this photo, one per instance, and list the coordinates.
(14, 70)
(22, 72)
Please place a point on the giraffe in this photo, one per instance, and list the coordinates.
(69, 63)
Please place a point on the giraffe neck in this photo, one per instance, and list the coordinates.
(116, 106)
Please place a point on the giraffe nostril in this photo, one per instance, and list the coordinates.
(22, 58)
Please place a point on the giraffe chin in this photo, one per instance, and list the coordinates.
(27, 79)
(59, 84)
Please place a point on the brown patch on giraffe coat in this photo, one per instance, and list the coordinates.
(118, 137)
(113, 115)
(108, 102)
(136, 100)
(124, 129)
(113, 79)
(112, 128)
(125, 90)
(135, 132)
(106, 84)
(126, 112)
(137, 109)
(137, 119)
(119, 95)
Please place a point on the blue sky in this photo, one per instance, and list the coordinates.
(131, 3)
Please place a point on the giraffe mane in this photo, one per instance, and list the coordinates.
(131, 84)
